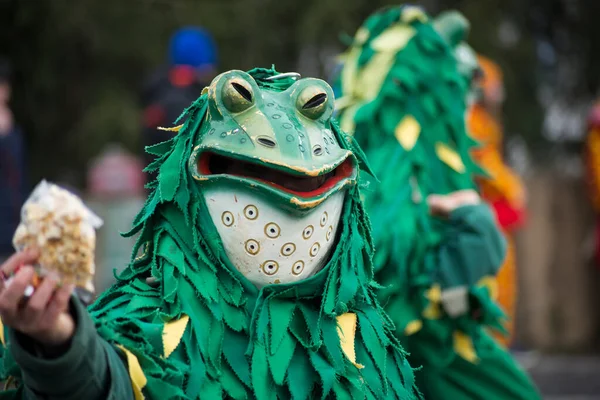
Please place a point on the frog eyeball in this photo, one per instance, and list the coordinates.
(312, 102)
(237, 95)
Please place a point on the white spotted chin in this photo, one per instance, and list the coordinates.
(269, 245)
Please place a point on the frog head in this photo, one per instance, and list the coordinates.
(454, 28)
(279, 143)
(273, 173)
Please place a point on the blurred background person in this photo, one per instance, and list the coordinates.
(502, 189)
(12, 166)
(171, 88)
(592, 169)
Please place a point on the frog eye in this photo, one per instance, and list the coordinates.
(312, 102)
(237, 95)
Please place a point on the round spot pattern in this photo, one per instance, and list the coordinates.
(276, 116)
(243, 140)
(301, 148)
(329, 232)
(324, 219)
(308, 232)
(223, 134)
(298, 267)
(287, 125)
(314, 250)
(270, 267)
(227, 218)
(251, 212)
(272, 230)
(263, 243)
(288, 249)
(289, 138)
(212, 131)
(252, 247)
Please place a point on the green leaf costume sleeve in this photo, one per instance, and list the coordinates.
(252, 276)
(404, 85)
(90, 368)
(472, 248)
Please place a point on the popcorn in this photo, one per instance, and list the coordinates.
(62, 228)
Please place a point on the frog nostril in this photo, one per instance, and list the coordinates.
(266, 141)
(317, 150)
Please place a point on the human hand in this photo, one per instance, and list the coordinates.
(44, 315)
(443, 205)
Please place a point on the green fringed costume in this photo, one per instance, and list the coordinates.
(403, 96)
(184, 321)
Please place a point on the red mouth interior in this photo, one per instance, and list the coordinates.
(302, 186)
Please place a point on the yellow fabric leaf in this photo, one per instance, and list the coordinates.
(413, 327)
(434, 294)
(491, 283)
(393, 39)
(347, 121)
(136, 374)
(463, 346)
(2, 334)
(171, 129)
(346, 332)
(172, 333)
(450, 157)
(361, 36)
(433, 310)
(407, 132)
(411, 13)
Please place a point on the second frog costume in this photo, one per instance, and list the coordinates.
(404, 97)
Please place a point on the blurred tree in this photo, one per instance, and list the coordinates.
(80, 64)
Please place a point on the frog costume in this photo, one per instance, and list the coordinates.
(404, 88)
(252, 275)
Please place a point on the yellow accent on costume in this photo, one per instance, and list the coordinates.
(434, 294)
(412, 13)
(172, 333)
(433, 309)
(463, 346)
(413, 327)
(2, 334)
(136, 374)
(361, 87)
(171, 129)
(346, 331)
(491, 284)
(407, 132)
(450, 157)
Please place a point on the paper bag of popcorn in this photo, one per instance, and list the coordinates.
(63, 229)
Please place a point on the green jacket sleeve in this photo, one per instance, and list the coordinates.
(89, 369)
(473, 247)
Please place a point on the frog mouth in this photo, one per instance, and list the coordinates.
(305, 186)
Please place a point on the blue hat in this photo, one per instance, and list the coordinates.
(194, 47)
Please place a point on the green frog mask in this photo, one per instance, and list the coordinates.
(273, 175)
